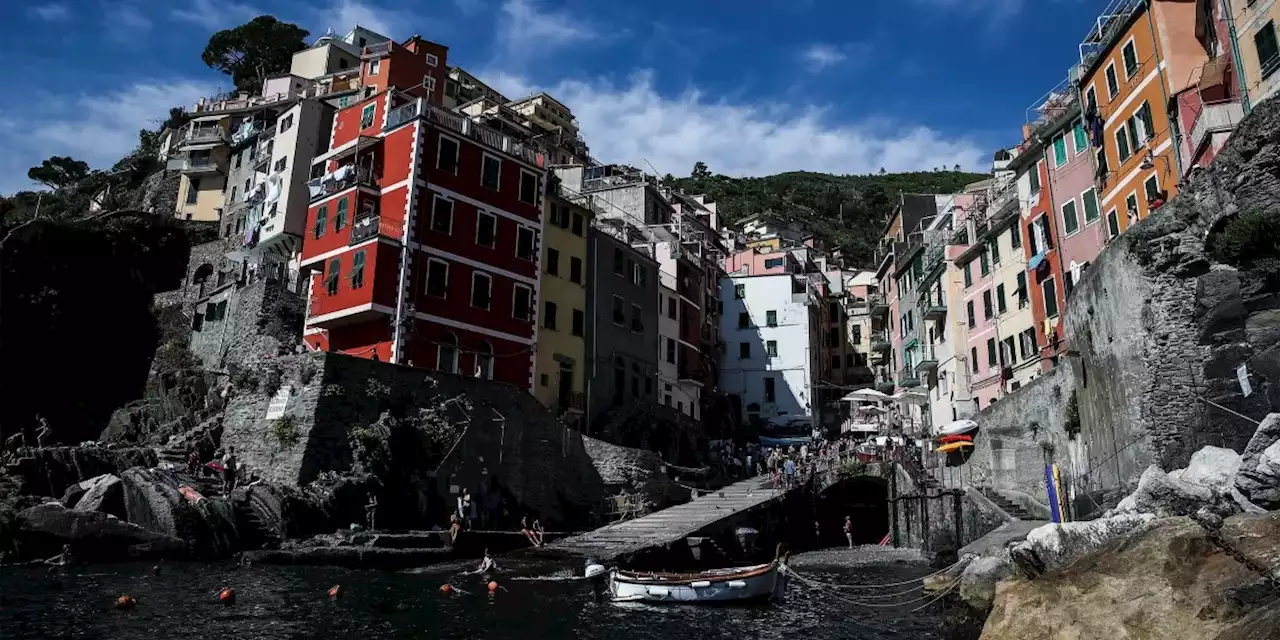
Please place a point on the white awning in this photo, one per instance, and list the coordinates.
(866, 395)
(348, 148)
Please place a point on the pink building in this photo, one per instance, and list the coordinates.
(753, 263)
(1066, 154)
(1209, 108)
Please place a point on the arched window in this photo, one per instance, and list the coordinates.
(447, 358)
(484, 360)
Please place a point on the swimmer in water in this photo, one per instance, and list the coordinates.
(486, 565)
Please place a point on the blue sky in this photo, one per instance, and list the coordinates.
(751, 88)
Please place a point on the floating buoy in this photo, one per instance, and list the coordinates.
(155, 571)
(493, 586)
(335, 591)
(446, 588)
(227, 596)
(125, 603)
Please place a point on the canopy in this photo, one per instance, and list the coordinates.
(957, 427)
(907, 397)
(866, 395)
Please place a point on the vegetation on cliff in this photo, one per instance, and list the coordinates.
(847, 211)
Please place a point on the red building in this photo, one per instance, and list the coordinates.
(423, 229)
(1040, 230)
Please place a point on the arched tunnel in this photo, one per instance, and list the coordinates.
(865, 500)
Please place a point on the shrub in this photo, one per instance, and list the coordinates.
(286, 430)
(1250, 241)
(1071, 421)
(851, 469)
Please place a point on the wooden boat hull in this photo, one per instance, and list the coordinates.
(747, 584)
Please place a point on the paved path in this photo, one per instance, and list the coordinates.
(671, 524)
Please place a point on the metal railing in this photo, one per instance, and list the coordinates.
(373, 226)
(198, 165)
(320, 188)
(197, 135)
(1215, 117)
(464, 126)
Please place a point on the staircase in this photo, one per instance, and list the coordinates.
(1008, 506)
(258, 532)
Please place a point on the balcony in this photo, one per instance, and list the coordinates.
(934, 310)
(1215, 117)
(340, 179)
(212, 134)
(196, 166)
(885, 386)
(880, 344)
(462, 125)
(375, 226)
(691, 373)
(908, 378)
(376, 49)
(927, 360)
(879, 305)
(573, 401)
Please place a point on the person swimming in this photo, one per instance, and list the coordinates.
(487, 565)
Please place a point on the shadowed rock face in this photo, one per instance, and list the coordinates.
(1168, 580)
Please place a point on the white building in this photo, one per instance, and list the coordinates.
(680, 392)
(331, 54)
(770, 329)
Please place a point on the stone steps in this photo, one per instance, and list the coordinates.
(1008, 506)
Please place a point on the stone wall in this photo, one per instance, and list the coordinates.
(1008, 454)
(928, 521)
(1158, 325)
(159, 193)
(209, 253)
(261, 320)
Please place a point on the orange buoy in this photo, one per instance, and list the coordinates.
(493, 586)
(227, 596)
(446, 588)
(125, 603)
(335, 591)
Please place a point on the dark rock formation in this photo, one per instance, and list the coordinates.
(49, 471)
(104, 493)
(635, 472)
(93, 535)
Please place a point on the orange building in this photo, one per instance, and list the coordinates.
(1139, 54)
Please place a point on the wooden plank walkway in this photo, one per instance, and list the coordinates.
(671, 524)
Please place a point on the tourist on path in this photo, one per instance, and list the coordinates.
(848, 530)
(229, 471)
(789, 471)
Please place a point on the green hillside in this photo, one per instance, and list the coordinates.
(821, 201)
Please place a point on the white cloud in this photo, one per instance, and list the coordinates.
(98, 129)
(524, 30)
(820, 55)
(469, 7)
(125, 23)
(342, 15)
(216, 16)
(634, 123)
(51, 12)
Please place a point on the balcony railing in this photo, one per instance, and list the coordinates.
(926, 358)
(464, 126)
(880, 344)
(375, 226)
(1213, 118)
(343, 178)
(908, 378)
(202, 164)
(204, 135)
(935, 310)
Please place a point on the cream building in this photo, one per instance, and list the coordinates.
(560, 363)
(1258, 54)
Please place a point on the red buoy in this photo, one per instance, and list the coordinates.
(446, 588)
(335, 591)
(227, 596)
(125, 603)
(493, 586)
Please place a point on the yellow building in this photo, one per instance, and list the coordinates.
(202, 154)
(560, 360)
(1258, 56)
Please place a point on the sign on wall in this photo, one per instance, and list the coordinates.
(279, 403)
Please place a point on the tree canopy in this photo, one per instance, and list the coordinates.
(255, 50)
(58, 172)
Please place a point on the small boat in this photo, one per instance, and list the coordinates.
(758, 583)
(953, 446)
(950, 439)
(957, 427)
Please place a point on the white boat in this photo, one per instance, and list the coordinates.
(762, 582)
(957, 427)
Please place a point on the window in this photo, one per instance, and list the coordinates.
(833, 337)
(447, 155)
(1078, 137)
(1069, 220)
(619, 311)
(1035, 178)
(447, 355)
(1027, 343)
(366, 114)
(1000, 302)
(637, 275)
(1131, 206)
(481, 289)
(432, 60)
(671, 309)
(1050, 289)
(1022, 289)
(987, 311)
(484, 361)
(442, 215)
(579, 322)
(619, 262)
(1059, 150)
(429, 83)
(857, 334)
(968, 275)
(739, 291)
(524, 243)
(522, 302)
(973, 360)
(671, 350)
(490, 172)
(744, 320)
(553, 262)
(637, 319)
(772, 263)
(193, 190)
(771, 348)
(1143, 116)
(1015, 236)
(331, 278)
(1113, 224)
(486, 229)
(994, 245)
(322, 220)
(1113, 85)
(991, 352)
(1122, 144)
(233, 192)
(1151, 186)
(287, 123)
(1264, 41)
(973, 318)
(549, 315)
(771, 318)
(744, 350)
(575, 270)
(340, 220)
(1130, 55)
(577, 224)
(1135, 134)
(1091, 99)
(437, 278)
(770, 390)
(1091, 209)
(281, 164)
(985, 263)
(374, 66)
(357, 270)
(835, 361)
(528, 188)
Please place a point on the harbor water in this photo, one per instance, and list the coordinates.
(533, 602)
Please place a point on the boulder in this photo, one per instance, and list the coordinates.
(1166, 581)
(1058, 545)
(977, 586)
(1211, 467)
(150, 497)
(104, 493)
(1163, 494)
(93, 535)
(1267, 434)
(1259, 481)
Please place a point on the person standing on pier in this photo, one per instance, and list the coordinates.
(789, 472)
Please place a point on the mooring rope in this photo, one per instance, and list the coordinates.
(921, 579)
(886, 605)
(939, 597)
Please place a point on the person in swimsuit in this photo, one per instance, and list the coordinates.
(455, 526)
(848, 530)
(487, 565)
(528, 532)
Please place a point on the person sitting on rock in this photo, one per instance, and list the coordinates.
(528, 532)
(455, 527)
